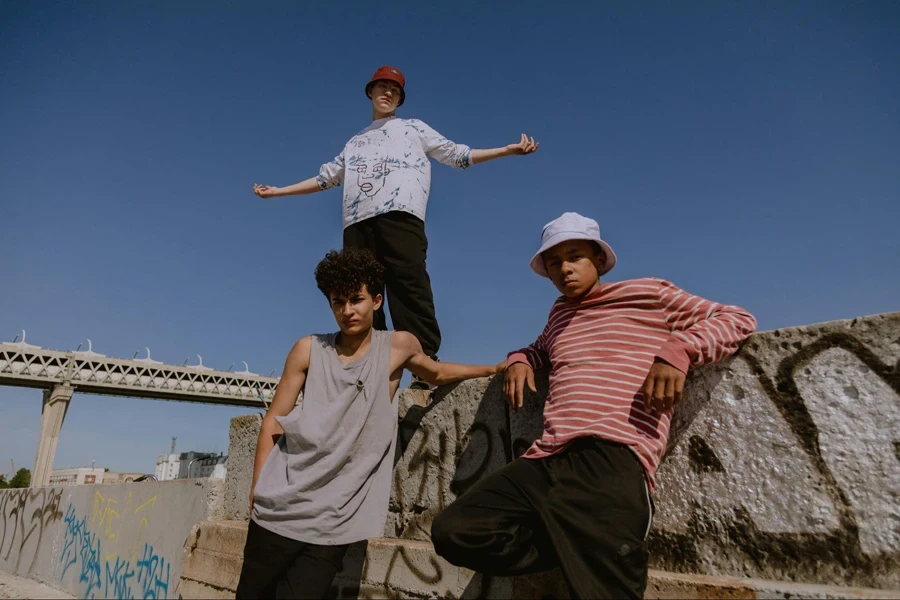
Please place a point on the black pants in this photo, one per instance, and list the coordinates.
(397, 239)
(586, 510)
(279, 567)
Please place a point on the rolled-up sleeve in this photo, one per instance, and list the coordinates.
(441, 149)
(331, 174)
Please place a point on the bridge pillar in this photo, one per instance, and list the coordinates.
(53, 413)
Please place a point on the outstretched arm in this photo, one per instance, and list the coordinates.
(331, 174)
(289, 387)
(526, 145)
(307, 186)
(436, 372)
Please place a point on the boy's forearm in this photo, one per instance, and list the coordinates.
(453, 372)
(481, 155)
(307, 186)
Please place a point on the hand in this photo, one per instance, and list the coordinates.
(663, 387)
(514, 383)
(264, 191)
(500, 367)
(526, 145)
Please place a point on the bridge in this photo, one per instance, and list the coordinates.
(61, 373)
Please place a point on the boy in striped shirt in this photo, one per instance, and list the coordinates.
(579, 498)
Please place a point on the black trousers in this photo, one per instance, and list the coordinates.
(586, 510)
(279, 567)
(397, 239)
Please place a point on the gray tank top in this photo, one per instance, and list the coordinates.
(328, 479)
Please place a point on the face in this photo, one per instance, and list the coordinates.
(354, 314)
(574, 266)
(385, 96)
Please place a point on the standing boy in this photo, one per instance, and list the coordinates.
(322, 475)
(579, 498)
(386, 174)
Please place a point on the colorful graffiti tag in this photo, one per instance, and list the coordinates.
(108, 554)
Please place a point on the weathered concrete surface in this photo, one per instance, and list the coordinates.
(242, 438)
(12, 586)
(104, 541)
(392, 568)
(784, 462)
(790, 467)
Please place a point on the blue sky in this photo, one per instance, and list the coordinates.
(747, 151)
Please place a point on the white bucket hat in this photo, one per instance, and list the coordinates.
(571, 226)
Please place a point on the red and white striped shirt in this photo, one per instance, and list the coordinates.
(601, 348)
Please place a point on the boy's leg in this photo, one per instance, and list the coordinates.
(361, 235)
(266, 555)
(312, 572)
(586, 509)
(598, 518)
(495, 527)
(402, 249)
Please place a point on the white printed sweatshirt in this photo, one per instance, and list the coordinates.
(385, 167)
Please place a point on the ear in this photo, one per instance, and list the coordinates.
(378, 300)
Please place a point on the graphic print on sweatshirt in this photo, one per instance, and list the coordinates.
(390, 160)
(372, 183)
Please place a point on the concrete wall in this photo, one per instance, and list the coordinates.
(104, 541)
(784, 462)
(393, 568)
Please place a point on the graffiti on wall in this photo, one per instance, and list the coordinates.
(106, 551)
(25, 516)
(812, 487)
(794, 468)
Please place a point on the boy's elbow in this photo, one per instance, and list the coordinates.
(439, 376)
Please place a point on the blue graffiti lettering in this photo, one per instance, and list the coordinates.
(117, 576)
(153, 574)
(79, 543)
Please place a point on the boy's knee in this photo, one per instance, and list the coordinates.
(442, 533)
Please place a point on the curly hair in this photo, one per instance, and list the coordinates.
(343, 273)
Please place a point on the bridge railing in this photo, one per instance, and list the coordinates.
(32, 366)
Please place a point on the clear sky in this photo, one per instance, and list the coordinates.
(747, 151)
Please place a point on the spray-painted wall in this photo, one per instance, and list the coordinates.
(784, 462)
(104, 541)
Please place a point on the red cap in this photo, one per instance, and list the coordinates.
(390, 74)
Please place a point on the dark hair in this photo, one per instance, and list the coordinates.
(343, 273)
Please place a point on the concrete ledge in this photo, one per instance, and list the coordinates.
(680, 585)
(393, 568)
(783, 462)
(12, 586)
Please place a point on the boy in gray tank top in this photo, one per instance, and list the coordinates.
(322, 475)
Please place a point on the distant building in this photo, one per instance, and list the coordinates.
(110, 477)
(77, 476)
(201, 464)
(167, 466)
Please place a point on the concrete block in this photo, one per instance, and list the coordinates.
(788, 466)
(242, 438)
(215, 569)
(675, 585)
(783, 462)
(392, 568)
(224, 537)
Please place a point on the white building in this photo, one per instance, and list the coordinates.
(201, 464)
(167, 467)
(77, 476)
